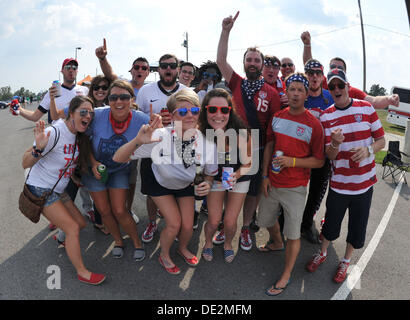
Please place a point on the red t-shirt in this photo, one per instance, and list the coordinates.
(266, 100)
(298, 136)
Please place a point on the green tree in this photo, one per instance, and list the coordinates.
(5, 93)
(377, 90)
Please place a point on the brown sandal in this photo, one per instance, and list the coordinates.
(102, 228)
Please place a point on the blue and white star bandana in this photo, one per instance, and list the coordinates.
(250, 87)
(297, 78)
(313, 64)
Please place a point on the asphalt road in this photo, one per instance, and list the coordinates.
(27, 250)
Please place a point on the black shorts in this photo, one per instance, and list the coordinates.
(359, 209)
(256, 179)
(150, 186)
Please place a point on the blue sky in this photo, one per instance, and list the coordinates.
(37, 35)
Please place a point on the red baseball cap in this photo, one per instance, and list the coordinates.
(69, 60)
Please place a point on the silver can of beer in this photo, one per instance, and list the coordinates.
(276, 168)
(57, 84)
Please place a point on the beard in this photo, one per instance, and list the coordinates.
(169, 83)
(253, 75)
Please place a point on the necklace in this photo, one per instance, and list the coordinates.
(185, 149)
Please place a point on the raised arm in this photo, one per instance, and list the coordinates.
(55, 113)
(382, 102)
(101, 53)
(222, 53)
(307, 46)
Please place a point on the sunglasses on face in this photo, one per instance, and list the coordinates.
(70, 67)
(165, 65)
(284, 65)
(222, 109)
(207, 75)
(96, 88)
(122, 97)
(333, 66)
(85, 112)
(137, 67)
(316, 72)
(184, 111)
(189, 72)
(333, 86)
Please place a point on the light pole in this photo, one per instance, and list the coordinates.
(78, 48)
(364, 48)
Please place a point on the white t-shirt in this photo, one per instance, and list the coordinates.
(152, 94)
(47, 170)
(67, 94)
(167, 165)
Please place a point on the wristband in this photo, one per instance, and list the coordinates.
(307, 45)
(265, 177)
(294, 162)
(39, 151)
(331, 144)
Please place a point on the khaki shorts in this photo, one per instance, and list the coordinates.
(293, 202)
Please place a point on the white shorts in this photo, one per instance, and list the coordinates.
(239, 187)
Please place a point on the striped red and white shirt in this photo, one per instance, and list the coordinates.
(360, 126)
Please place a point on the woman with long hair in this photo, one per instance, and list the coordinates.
(217, 113)
(64, 146)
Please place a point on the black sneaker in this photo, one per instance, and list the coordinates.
(204, 209)
(311, 235)
(196, 219)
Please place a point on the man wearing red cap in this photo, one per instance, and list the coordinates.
(69, 89)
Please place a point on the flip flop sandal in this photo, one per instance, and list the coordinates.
(102, 228)
(229, 255)
(269, 290)
(139, 254)
(118, 252)
(208, 254)
(265, 247)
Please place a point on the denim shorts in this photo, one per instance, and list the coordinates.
(38, 192)
(116, 180)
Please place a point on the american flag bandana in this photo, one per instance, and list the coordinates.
(298, 78)
(250, 87)
(313, 64)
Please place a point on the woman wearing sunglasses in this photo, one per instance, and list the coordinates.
(175, 157)
(217, 113)
(112, 127)
(54, 150)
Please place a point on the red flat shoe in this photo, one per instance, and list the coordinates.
(95, 279)
(174, 270)
(193, 262)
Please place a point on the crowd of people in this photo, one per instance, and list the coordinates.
(314, 133)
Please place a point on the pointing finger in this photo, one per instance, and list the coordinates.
(236, 16)
(104, 44)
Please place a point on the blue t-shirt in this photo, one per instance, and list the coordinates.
(105, 142)
(317, 104)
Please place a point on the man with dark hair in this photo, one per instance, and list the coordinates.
(209, 75)
(255, 102)
(379, 102)
(139, 70)
(186, 73)
(270, 72)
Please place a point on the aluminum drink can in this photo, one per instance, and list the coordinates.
(226, 177)
(102, 170)
(276, 168)
(57, 84)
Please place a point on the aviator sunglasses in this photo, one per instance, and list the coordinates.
(214, 109)
(85, 112)
(332, 86)
(122, 97)
(184, 111)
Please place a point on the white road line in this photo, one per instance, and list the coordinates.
(357, 271)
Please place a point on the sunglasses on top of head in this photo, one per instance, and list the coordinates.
(85, 112)
(137, 67)
(184, 111)
(165, 65)
(333, 86)
(122, 97)
(222, 109)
